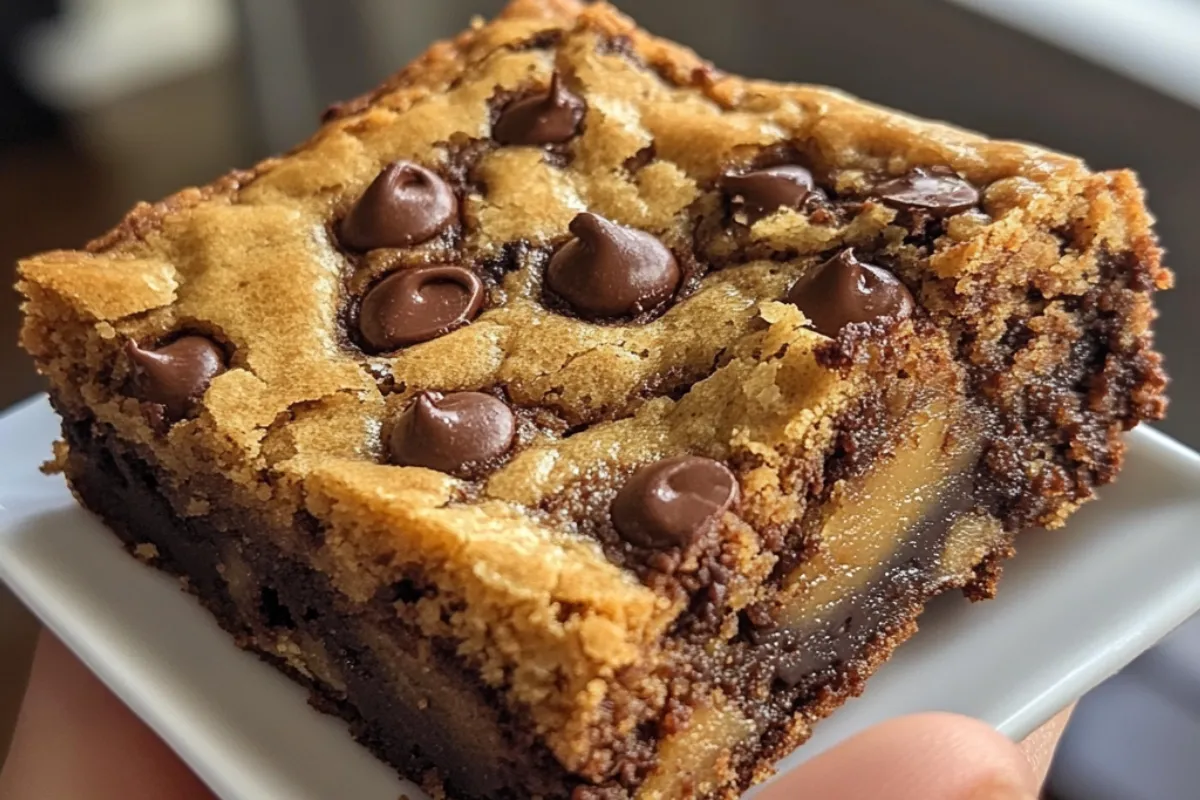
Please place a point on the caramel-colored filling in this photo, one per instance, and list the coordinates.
(913, 504)
(970, 538)
(699, 757)
(870, 520)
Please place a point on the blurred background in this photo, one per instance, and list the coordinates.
(105, 102)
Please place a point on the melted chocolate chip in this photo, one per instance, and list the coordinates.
(845, 290)
(936, 192)
(609, 270)
(176, 374)
(406, 204)
(545, 117)
(762, 192)
(418, 304)
(452, 433)
(672, 502)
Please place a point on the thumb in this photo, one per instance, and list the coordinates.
(922, 757)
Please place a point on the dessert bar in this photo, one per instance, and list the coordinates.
(578, 421)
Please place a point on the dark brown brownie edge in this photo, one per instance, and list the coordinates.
(124, 490)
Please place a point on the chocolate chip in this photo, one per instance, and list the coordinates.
(418, 304)
(844, 290)
(641, 158)
(406, 204)
(609, 270)
(545, 117)
(762, 192)
(452, 433)
(175, 375)
(935, 191)
(672, 502)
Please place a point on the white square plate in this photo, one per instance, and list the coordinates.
(1074, 607)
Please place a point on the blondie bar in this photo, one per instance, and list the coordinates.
(576, 420)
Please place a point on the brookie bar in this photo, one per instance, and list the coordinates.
(576, 420)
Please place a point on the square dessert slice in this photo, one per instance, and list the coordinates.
(576, 420)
